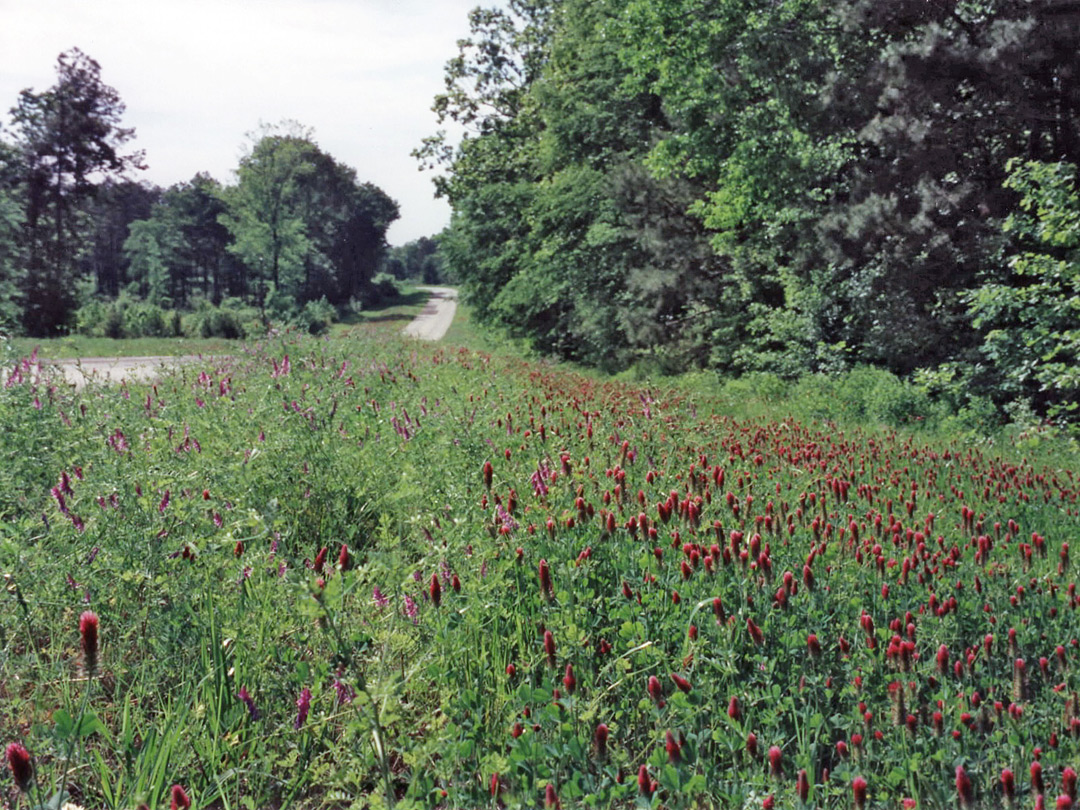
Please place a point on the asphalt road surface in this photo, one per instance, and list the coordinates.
(431, 324)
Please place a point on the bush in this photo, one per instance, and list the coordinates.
(316, 316)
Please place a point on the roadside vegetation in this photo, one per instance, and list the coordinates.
(359, 571)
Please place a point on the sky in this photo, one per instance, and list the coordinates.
(198, 75)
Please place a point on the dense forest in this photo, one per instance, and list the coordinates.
(84, 245)
(788, 187)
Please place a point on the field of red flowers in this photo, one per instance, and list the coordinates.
(362, 573)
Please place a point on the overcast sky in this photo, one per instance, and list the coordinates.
(197, 75)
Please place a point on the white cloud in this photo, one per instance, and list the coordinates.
(196, 75)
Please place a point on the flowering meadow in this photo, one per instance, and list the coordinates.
(361, 572)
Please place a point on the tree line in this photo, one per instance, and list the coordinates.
(295, 226)
(787, 186)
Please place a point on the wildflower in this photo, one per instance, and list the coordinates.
(253, 710)
(546, 590)
(88, 630)
(551, 798)
(802, 786)
(643, 781)
(379, 598)
(964, 792)
(410, 608)
(22, 768)
(751, 745)
(813, 646)
(776, 761)
(1008, 785)
(656, 691)
(1068, 782)
(320, 560)
(755, 631)
(549, 647)
(569, 681)
(345, 693)
(436, 590)
(343, 561)
(180, 800)
(303, 706)
(1036, 776)
(671, 745)
(600, 736)
(681, 683)
(858, 792)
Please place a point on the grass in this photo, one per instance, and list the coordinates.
(203, 520)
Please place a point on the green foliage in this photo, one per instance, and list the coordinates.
(1032, 337)
(126, 317)
(202, 517)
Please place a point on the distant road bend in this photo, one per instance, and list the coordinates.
(431, 324)
(438, 314)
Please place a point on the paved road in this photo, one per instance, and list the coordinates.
(430, 324)
(438, 314)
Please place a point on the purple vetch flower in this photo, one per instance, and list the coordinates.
(77, 522)
(445, 572)
(417, 576)
(164, 503)
(345, 693)
(60, 502)
(410, 607)
(505, 518)
(303, 706)
(380, 599)
(253, 710)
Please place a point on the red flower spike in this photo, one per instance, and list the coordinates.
(551, 798)
(754, 631)
(733, 710)
(776, 761)
(643, 781)
(656, 691)
(1008, 784)
(569, 681)
(546, 589)
(802, 786)
(88, 631)
(671, 745)
(964, 791)
(549, 647)
(681, 683)
(858, 792)
(435, 590)
(751, 745)
(1036, 777)
(320, 560)
(22, 767)
(180, 800)
(600, 737)
(1068, 782)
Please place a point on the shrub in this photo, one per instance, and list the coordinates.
(316, 316)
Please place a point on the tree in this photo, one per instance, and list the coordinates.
(302, 222)
(263, 210)
(70, 140)
(1031, 322)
